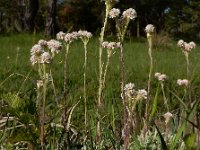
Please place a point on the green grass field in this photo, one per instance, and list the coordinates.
(17, 76)
(15, 55)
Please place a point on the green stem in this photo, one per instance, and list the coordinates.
(105, 71)
(43, 106)
(100, 57)
(85, 69)
(149, 37)
(65, 89)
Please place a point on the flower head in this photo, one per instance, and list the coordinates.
(167, 117)
(70, 37)
(36, 50)
(111, 45)
(183, 82)
(192, 44)
(60, 35)
(114, 13)
(34, 59)
(54, 46)
(186, 47)
(84, 34)
(45, 58)
(181, 44)
(42, 43)
(129, 13)
(129, 90)
(150, 29)
(160, 77)
(142, 94)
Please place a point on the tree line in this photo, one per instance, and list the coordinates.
(172, 16)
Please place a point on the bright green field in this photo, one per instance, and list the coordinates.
(15, 54)
(17, 76)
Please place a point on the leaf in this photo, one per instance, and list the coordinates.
(163, 143)
(183, 126)
(155, 103)
(189, 140)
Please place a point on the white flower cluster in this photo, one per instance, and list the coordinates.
(114, 13)
(130, 92)
(36, 50)
(150, 29)
(129, 13)
(186, 47)
(54, 46)
(183, 82)
(38, 54)
(167, 117)
(42, 43)
(60, 35)
(142, 94)
(70, 37)
(160, 77)
(111, 45)
(84, 34)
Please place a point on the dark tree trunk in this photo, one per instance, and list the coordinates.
(50, 26)
(30, 14)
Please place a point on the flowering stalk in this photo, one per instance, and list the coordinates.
(85, 36)
(149, 30)
(85, 69)
(108, 7)
(186, 49)
(121, 26)
(161, 78)
(132, 96)
(65, 87)
(45, 80)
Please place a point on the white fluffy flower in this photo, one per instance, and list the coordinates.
(129, 86)
(54, 46)
(129, 13)
(160, 77)
(183, 82)
(186, 47)
(60, 35)
(84, 34)
(192, 44)
(150, 28)
(45, 58)
(114, 13)
(34, 59)
(42, 43)
(142, 94)
(36, 50)
(111, 45)
(70, 37)
(157, 74)
(167, 117)
(181, 44)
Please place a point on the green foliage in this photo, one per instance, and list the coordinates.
(21, 105)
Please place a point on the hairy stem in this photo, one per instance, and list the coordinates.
(149, 37)
(84, 75)
(45, 80)
(100, 57)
